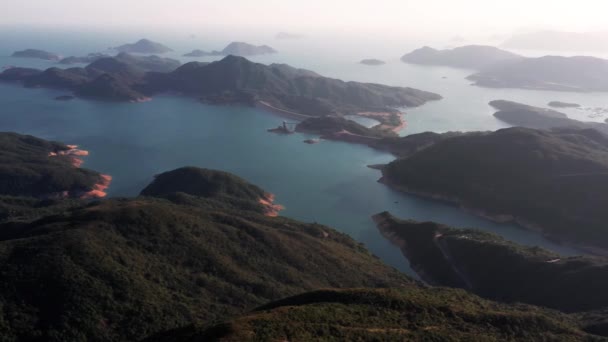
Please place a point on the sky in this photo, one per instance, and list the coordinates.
(301, 15)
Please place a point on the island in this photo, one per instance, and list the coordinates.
(469, 57)
(541, 180)
(279, 88)
(372, 62)
(518, 114)
(575, 74)
(495, 268)
(235, 49)
(144, 46)
(559, 104)
(90, 58)
(39, 54)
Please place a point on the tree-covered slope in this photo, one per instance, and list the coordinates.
(125, 269)
(555, 181)
(407, 314)
(495, 268)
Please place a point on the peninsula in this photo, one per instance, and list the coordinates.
(540, 179)
(492, 267)
(576, 74)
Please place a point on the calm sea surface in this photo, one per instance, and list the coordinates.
(328, 183)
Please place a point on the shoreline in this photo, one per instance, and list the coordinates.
(497, 218)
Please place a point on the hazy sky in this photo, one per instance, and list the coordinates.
(402, 15)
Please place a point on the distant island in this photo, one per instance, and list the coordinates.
(372, 62)
(578, 74)
(556, 173)
(559, 41)
(235, 49)
(276, 87)
(469, 57)
(90, 58)
(445, 256)
(39, 54)
(559, 104)
(518, 114)
(143, 46)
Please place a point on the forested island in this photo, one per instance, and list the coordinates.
(233, 79)
(235, 49)
(38, 54)
(469, 57)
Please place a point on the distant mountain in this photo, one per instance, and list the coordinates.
(245, 49)
(90, 58)
(492, 267)
(39, 54)
(198, 53)
(559, 41)
(559, 104)
(547, 73)
(126, 269)
(409, 314)
(372, 62)
(38, 168)
(230, 80)
(107, 78)
(550, 181)
(470, 57)
(518, 114)
(143, 46)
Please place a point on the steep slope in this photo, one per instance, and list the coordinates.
(550, 181)
(409, 314)
(495, 268)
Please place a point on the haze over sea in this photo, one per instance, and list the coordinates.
(328, 183)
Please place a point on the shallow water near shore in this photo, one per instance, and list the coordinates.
(328, 183)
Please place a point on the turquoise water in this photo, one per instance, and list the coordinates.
(327, 183)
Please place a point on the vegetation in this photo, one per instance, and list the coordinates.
(495, 268)
(408, 314)
(233, 79)
(555, 181)
(125, 269)
(28, 169)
